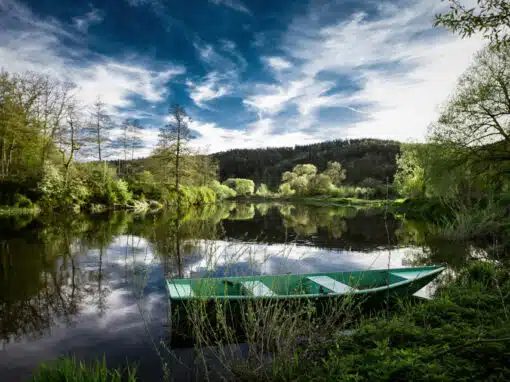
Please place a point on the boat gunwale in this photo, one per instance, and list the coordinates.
(433, 271)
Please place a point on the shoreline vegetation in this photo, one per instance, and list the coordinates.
(461, 333)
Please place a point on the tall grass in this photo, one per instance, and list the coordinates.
(469, 221)
(68, 369)
(270, 330)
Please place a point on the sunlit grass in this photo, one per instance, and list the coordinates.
(68, 369)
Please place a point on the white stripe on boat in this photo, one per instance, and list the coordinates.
(411, 275)
(258, 288)
(180, 290)
(332, 284)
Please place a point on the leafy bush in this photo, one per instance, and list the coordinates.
(143, 183)
(191, 196)
(320, 185)
(351, 192)
(263, 190)
(52, 183)
(121, 190)
(286, 190)
(101, 181)
(222, 191)
(370, 183)
(241, 186)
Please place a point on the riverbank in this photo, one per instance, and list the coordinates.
(461, 334)
(321, 201)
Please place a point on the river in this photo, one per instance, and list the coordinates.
(94, 285)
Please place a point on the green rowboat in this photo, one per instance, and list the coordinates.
(371, 283)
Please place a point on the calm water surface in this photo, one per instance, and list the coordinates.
(90, 286)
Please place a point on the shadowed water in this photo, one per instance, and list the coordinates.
(93, 286)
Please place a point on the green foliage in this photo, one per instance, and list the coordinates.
(306, 170)
(70, 370)
(351, 192)
(304, 180)
(243, 187)
(473, 126)
(336, 173)
(263, 190)
(490, 17)
(371, 183)
(191, 196)
(410, 176)
(320, 185)
(144, 185)
(52, 182)
(121, 190)
(286, 190)
(222, 191)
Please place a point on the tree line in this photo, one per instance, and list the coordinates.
(362, 158)
(46, 133)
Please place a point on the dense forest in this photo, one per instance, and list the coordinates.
(362, 158)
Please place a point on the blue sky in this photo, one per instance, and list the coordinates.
(250, 73)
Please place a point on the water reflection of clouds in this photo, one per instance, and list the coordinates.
(252, 258)
(132, 286)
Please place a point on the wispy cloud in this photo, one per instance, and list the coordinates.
(207, 90)
(261, 133)
(277, 63)
(233, 4)
(82, 23)
(402, 70)
(37, 45)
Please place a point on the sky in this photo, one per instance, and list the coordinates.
(250, 73)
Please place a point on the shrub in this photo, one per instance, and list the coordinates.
(121, 190)
(370, 183)
(222, 191)
(52, 183)
(241, 186)
(263, 190)
(320, 185)
(191, 196)
(143, 184)
(286, 190)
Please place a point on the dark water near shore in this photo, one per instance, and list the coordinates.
(94, 285)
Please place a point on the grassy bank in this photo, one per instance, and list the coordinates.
(70, 370)
(463, 334)
(324, 201)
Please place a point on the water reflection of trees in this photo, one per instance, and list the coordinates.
(436, 250)
(322, 227)
(307, 221)
(42, 279)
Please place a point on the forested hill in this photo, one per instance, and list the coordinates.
(362, 158)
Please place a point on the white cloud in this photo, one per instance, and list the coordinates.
(207, 90)
(403, 68)
(277, 63)
(214, 138)
(82, 23)
(34, 44)
(233, 4)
